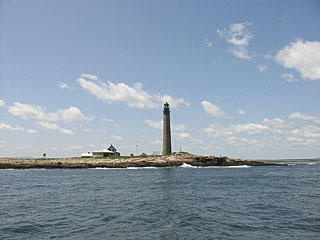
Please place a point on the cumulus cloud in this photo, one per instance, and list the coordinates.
(28, 111)
(262, 68)
(301, 142)
(277, 123)
(216, 130)
(159, 124)
(288, 77)
(183, 136)
(174, 102)
(53, 127)
(134, 96)
(72, 114)
(214, 110)
(303, 56)
(309, 131)
(5, 126)
(2, 104)
(239, 36)
(64, 85)
(241, 141)
(305, 117)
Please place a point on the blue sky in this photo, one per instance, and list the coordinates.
(242, 77)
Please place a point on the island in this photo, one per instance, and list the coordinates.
(171, 160)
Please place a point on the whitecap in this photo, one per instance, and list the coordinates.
(141, 168)
(186, 165)
(240, 166)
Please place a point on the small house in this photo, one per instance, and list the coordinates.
(110, 152)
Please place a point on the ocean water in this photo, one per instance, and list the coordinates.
(169, 203)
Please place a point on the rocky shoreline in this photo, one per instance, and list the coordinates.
(173, 160)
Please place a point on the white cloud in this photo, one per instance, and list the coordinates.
(32, 131)
(159, 125)
(240, 52)
(4, 126)
(64, 85)
(214, 110)
(237, 141)
(178, 127)
(53, 127)
(262, 68)
(239, 36)
(2, 104)
(115, 137)
(304, 57)
(71, 114)
(182, 136)
(156, 125)
(251, 128)
(110, 121)
(304, 143)
(309, 131)
(28, 111)
(90, 76)
(134, 96)
(288, 77)
(241, 112)
(216, 130)
(277, 123)
(301, 142)
(174, 102)
(295, 139)
(306, 117)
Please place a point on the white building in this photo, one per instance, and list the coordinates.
(110, 152)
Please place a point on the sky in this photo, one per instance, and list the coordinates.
(242, 77)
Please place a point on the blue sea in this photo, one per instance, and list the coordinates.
(167, 203)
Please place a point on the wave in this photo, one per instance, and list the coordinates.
(129, 168)
(186, 165)
(141, 167)
(241, 166)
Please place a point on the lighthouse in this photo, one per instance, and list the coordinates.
(166, 146)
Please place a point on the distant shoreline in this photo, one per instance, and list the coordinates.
(289, 160)
(173, 160)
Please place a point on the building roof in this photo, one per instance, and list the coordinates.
(104, 151)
